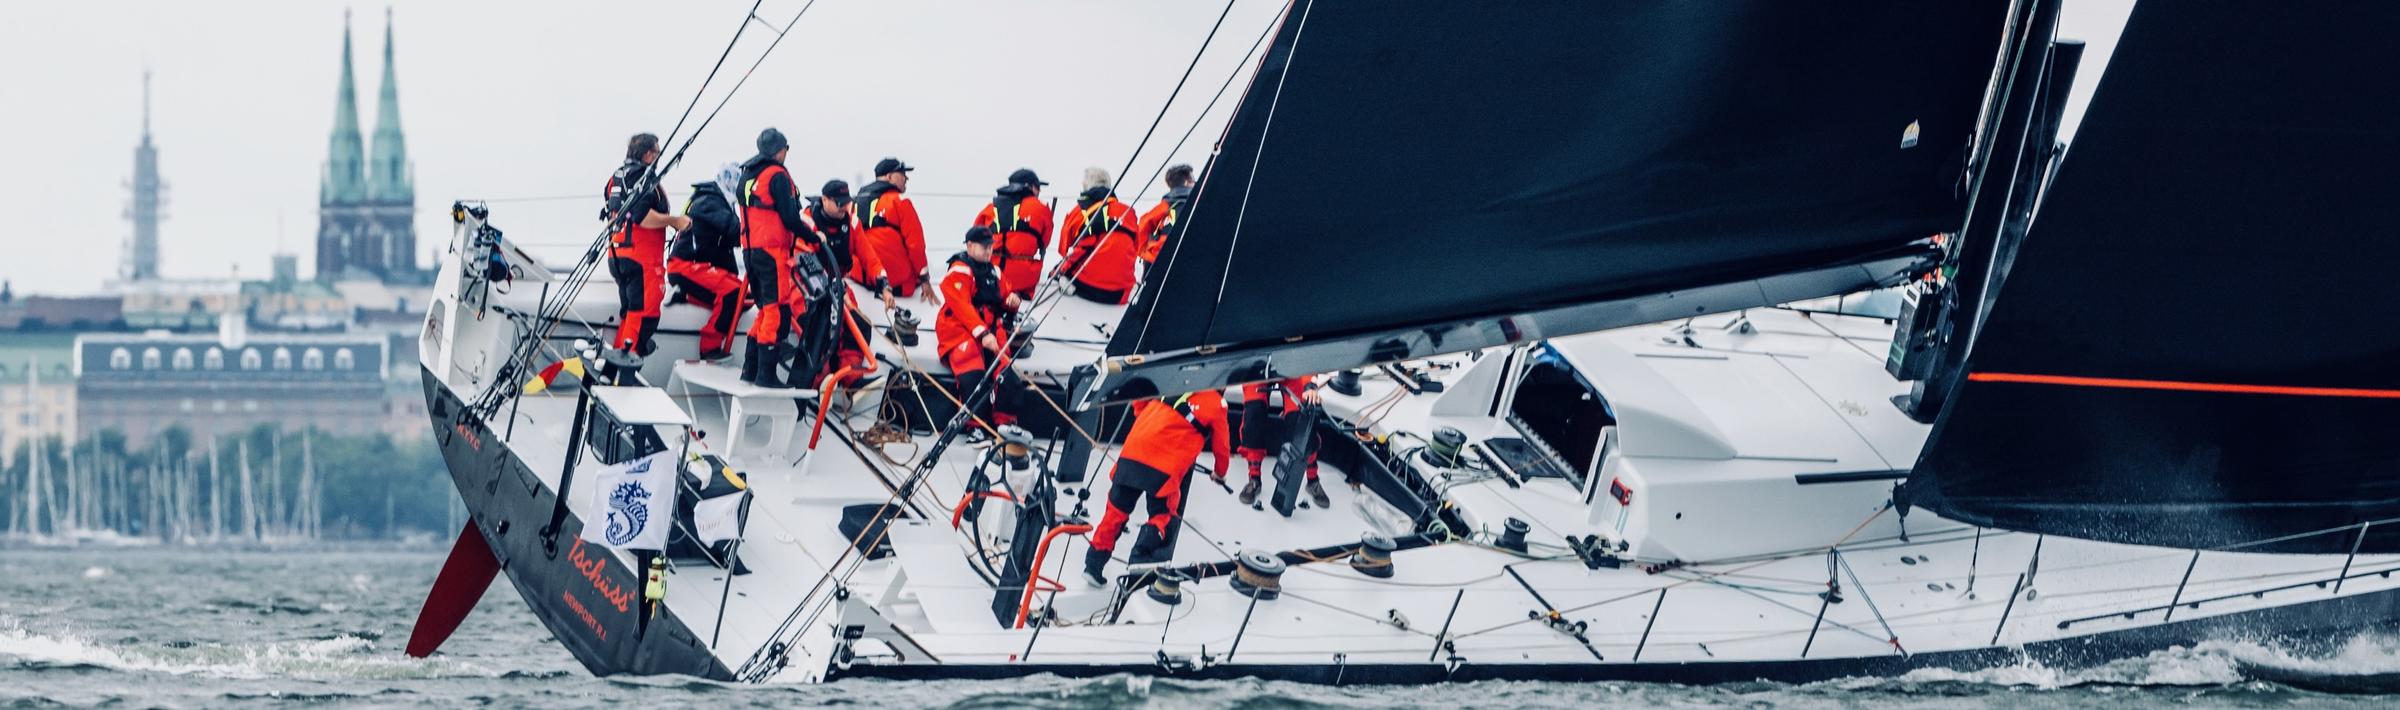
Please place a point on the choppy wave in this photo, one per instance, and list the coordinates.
(339, 657)
(2368, 662)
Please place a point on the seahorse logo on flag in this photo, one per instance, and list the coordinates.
(628, 507)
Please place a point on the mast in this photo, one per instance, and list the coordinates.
(33, 465)
(249, 515)
(216, 492)
(276, 522)
(2000, 199)
(308, 513)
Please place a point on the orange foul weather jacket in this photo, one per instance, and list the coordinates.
(773, 237)
(1106, 233)
(637, 257)
(888, 225)
(1024, 231)
(1164, 439)
(972, 302)
(1163, 220)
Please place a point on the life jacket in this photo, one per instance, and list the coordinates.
(1179, 204)
(1183, 408)
(715, 232)
(1169, 434)
(869, 207)
(1100, 217)
(989, 299)
(833, 232)
(616, 192)
(1282, 395)
(762, 223)
(1008, 215)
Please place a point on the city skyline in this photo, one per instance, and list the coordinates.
(509, 103)
(514, 104)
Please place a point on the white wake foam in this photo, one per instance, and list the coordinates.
(2206, 663)
(343, 656)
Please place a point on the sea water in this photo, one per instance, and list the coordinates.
(196, 627)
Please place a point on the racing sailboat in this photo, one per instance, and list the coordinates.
(1676, 384)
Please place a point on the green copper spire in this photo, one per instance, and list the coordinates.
(345, 180)
(389, 179)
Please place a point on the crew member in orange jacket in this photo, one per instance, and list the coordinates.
(887, 224)
(1266, 424)
(1165, 219)
(1022, 222)
(703, 266)
(1102, 240)
(774, 241)
(637, 251)
(971, 330)
(1153, 466)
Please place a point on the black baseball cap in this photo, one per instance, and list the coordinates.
(1025, 176)
(979, 235)
(888, 166)
(837, 191)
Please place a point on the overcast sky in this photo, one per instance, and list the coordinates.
(507, 101)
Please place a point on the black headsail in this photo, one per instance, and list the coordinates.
(2195, 343)
(1411, 178)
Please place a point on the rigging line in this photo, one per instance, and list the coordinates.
(1281, 80)
(1178, 91)
(1049, 289)
(1385, 623)
(712, 71)
(737, 87)
(1212, 105)
(1281, 16)
(581, 274)
(1861, 586)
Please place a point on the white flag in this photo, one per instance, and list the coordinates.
(720, 518)
(635, 504)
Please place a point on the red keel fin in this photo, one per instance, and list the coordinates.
(463, 579)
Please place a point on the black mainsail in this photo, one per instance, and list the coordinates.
(2193, 346)
(1406, 179)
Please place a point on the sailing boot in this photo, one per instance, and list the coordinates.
(772, 358)
(751, 359)
(1095, 567)
(1316, 492)
(1250, 491)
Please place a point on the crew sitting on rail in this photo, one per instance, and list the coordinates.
(1101, 241)
(972, 329)
(637, 244)
(1153, 467)
(703, 269)
(1165, 219)
(1022, 223)
(1266, 424)
(887, 224)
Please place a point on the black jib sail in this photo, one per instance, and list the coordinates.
(2194, 344)
(1410, 178)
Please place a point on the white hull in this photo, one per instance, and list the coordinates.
(1714, 442)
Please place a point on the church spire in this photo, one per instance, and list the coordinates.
(389, 177)
(344, 170)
